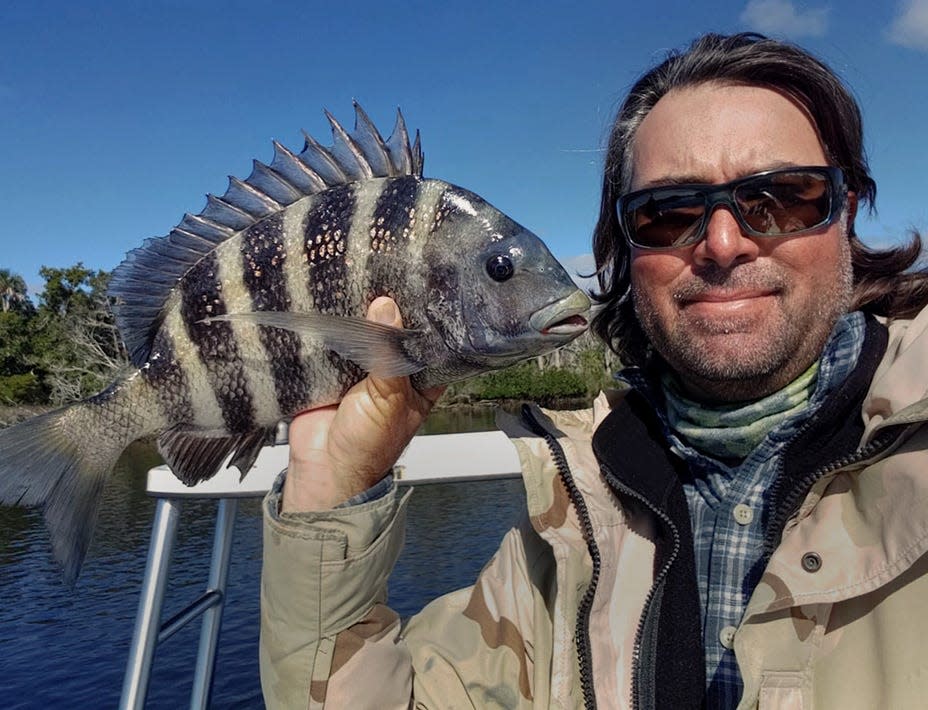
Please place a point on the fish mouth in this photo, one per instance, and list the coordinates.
(567, 317)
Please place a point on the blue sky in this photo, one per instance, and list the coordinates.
(116, 118)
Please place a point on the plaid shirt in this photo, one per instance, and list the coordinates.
(729, 507)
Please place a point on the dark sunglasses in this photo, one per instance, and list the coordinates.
(775, 203)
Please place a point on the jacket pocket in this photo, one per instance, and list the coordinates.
(785, 690)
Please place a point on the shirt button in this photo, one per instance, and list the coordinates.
(743, 514)
(727, 636)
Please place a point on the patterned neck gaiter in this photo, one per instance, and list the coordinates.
(732, 431)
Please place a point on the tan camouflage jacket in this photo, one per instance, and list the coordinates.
(837, 620)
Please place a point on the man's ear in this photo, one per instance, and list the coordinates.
(851, 211)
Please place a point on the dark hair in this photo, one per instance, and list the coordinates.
(880, 286)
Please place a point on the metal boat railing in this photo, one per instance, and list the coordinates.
(428, 459)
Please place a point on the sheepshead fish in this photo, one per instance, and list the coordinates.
(253, 311)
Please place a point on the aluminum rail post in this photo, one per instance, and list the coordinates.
(151, 599)
(212, 617)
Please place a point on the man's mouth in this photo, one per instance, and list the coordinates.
(726, 295)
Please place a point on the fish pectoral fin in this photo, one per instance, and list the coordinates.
(380, 349)
(194, 456)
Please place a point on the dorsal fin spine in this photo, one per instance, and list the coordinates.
(364, 126)
(418, 159)
(271, 184)
(364, 170)
(226, 213)
(312, 150)
(300, 175)
(398, 147)
(206, 228)
(187, 238)
(249, 199)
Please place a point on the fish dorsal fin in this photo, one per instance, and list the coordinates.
(142, 283)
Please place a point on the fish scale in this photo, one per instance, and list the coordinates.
(184, 357)
(254, 310)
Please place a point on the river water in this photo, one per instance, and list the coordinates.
(62, 648)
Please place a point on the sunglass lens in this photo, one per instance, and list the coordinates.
(785, 202)
(665, 218)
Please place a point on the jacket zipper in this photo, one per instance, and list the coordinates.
(582, 632)
(792, 502)
(658, 580)
(874, 447)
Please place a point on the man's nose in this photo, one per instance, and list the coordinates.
(725, 244)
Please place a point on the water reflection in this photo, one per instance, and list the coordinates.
(449, 420)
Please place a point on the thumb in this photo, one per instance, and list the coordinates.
(383, 310)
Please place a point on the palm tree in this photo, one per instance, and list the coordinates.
(12, 290)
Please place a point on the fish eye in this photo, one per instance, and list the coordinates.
(500, 268)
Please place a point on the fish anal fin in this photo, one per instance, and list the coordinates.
(249, 447)
(194, 456)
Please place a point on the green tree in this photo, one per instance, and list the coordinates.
(20, 379)
(13, 297)
(76, 339)
(69, 289)
(65, 349)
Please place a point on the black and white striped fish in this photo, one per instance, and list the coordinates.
(253, 311)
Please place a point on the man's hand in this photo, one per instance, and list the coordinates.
(339, 451)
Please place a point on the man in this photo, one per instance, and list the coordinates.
(744, 526)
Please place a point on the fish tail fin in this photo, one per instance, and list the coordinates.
(60, 461)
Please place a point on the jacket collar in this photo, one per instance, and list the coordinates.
(900, 384)
(832, 434)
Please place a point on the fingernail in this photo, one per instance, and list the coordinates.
(385, 313)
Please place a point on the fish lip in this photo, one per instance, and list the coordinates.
(566, 317)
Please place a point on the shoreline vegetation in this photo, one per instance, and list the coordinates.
(551, 387)
(62, 346)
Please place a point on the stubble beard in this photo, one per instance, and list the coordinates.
(740, 359)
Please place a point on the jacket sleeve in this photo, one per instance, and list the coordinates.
(329, 640)
(323, 594)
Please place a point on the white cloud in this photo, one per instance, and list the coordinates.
(910, 26)
(782, 17)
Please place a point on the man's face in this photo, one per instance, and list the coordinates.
(737, 317)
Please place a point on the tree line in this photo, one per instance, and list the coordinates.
(61, 346)
(64, 345)
(576, 371)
